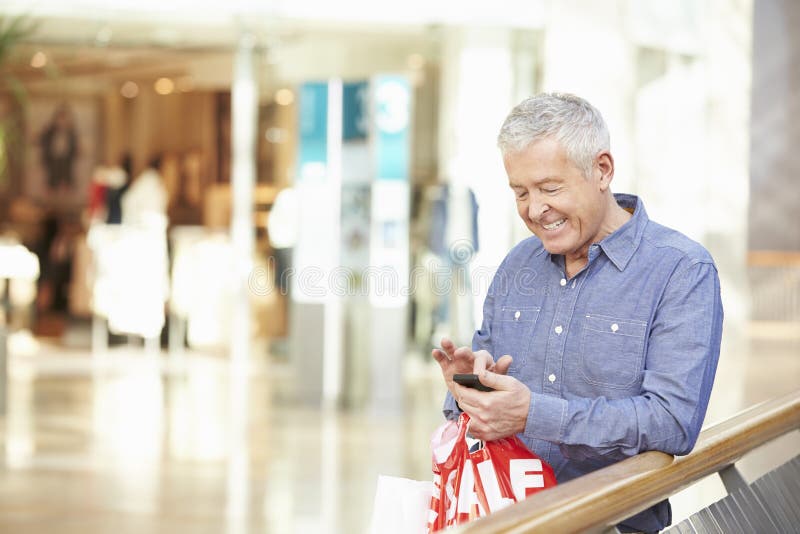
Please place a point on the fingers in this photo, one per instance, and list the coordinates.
(502, 365)
(448, 347)
(483, 360)
(463, 396)
(482, 431)
(439, 356)
(499, 382)
(446, 353)
(471, 400)
(475, 404)
(452, 359)
(495, 414)
(463, 356)
(479, 361)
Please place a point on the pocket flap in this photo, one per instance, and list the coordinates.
(611, 325)
(522, 314)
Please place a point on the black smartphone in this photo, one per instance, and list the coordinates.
(471, 381)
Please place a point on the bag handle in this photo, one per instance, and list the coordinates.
(463, 426)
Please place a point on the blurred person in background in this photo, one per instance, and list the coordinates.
(59, 144)
(282, 231)
(118, 184)
(55, 251)
(98, 189)
(105, 192)
(146, 198)
(600, 333)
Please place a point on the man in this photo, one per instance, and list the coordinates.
(601, 332)
(59, 143)
(146, 199)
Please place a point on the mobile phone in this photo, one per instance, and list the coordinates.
(471, 381)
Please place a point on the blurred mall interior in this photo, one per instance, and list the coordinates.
(232, 233)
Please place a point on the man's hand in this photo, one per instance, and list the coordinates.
(495, 414)
(454, 360)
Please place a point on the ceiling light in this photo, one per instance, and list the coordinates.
(164, 86)
(284, 97)
(129, 89)
(39, 60)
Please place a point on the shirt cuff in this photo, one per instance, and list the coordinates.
(546, 418)
(451, 409)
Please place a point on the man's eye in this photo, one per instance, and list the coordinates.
(551, 191)
(522, 195)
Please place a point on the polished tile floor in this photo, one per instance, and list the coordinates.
(133, 442)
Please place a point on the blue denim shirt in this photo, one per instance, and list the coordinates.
(621, 358)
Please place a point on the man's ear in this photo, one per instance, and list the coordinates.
(605, 167)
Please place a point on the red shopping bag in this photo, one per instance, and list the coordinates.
(473, 478)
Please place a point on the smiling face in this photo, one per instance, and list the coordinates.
(565, 209)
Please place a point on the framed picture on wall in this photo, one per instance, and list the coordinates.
(61, 149)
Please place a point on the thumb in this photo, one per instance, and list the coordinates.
(497, 381)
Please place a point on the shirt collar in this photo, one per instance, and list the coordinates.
(620, 245)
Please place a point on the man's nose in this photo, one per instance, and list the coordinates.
(536, 208)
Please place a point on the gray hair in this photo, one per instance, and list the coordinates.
(566, 118)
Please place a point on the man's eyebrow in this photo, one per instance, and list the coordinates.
(541, 181)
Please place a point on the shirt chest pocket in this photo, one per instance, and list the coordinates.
(514, 331)
(612, 351)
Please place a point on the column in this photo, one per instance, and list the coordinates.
(388, 275)
(315, 318)
(244, 116)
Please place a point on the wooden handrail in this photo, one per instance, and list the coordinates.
(599, 500)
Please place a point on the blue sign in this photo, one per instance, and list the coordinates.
(313, 123)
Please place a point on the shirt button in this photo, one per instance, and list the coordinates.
(516, 314)
(563, 282)
(614, 327)
(559, 329)
(552, 378)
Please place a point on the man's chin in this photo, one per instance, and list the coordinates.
(553, 244)
(557, 248)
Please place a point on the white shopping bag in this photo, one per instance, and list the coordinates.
(401, 506)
